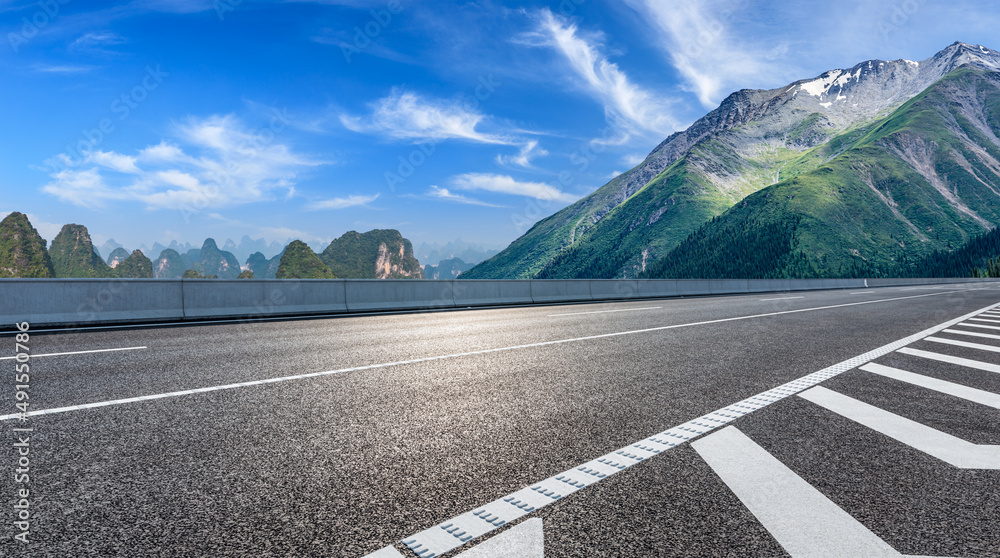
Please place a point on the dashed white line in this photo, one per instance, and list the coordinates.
(986, 398)
(972, 334)
(451, 356)
(966, 344)
(81, 352)
(950, 449)
(804, 521)
(982, 320)
(985, 366)
(782, 298)
(605, 311)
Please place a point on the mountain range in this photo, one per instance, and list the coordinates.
(852, 172)
(377, 254)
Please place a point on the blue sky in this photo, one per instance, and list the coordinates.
(157, 120)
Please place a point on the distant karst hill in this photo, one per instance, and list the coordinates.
(376, 254)
(299, 262)
(72, 253)
(22, 250)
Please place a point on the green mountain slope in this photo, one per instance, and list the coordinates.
(376, 254)
(300, 262)
(212, 261)
(755, 139)
(72, 254)
(136, 266)
(170, 265)
(925, 178)
(117, 256)
(262, 267)
(22, 250)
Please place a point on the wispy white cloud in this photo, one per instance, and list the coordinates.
(445, 194)
(504, 184)
(62, 68)
(626, 104)
(406, 115)
(702, 45)
(528, 152)
(633, 159)
(96, 40)
(343, 203)
(211, 162)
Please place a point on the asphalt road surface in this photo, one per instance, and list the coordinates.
(643, 428)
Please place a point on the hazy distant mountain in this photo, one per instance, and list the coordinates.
(136, 266)
(754, 140)
(376, 254)
(447, 269)
(433, 253)
(212, 261)
(22, 249)
(108, 247)
(170, 265)
(262, 267)
(72, 254)
(117, 256)
(300, 262)
(159, 248)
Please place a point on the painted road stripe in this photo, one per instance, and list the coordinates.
(982, 320)
(972, 334)
(605, 311)
(980, 326)
(951, 359)
(863, 292)
(782, 298)
(453, 533)
(966, 344)
(950, 449)
(81, 352)
(803, 521)
(451, 356)
(986, 398)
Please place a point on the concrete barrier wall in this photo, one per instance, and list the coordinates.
(235, 297)
(560, 290)
(72, 301)
(398, 294)
(491, 293)
(92, 301)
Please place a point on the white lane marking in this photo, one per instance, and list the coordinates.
(972, 334)
(782, 298)
(449, 535)
(803, 521)
(982, 397)
(980, 326)
(863, 292)
(966, 344)
(982, 320)
(950, 449)
(81, 352)
(451, 356)
(951, 359)
(605, 311)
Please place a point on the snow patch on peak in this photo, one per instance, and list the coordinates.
(820, 86)
(912, 63)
